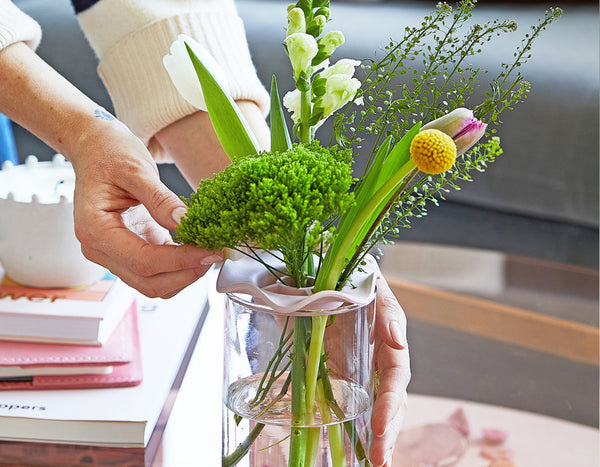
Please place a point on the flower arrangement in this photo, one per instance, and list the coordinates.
(300, 202)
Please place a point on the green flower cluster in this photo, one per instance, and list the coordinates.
(278, 201)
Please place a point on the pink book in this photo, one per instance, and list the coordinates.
(34, 365)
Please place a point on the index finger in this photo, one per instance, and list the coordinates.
(124, 247)
(390, 321)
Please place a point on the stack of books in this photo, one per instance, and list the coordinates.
(68, 338)
(91, 366)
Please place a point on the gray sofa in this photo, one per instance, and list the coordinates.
(539, 199)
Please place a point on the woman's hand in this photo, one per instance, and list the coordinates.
(393, 365)
(123, 213)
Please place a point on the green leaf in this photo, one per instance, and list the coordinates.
(400, 153)
(385, 164)
(303, 82)
(230, 126)
(316, 116)
(280, 138)
(356, 225)
(369, 183)
(306, 6)
(319, 86)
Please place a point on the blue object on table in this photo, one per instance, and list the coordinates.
(8, 149)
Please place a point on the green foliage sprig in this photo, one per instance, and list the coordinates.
(429, 189)
(435, 54)
(508, 89)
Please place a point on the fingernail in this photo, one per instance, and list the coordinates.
(397, 334)
(177, 214)
(231, 254)
(208, 260)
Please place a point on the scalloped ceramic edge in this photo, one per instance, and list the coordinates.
(10, 173)
(38, 247)
(247, 276)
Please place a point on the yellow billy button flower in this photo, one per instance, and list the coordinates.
(433, 151)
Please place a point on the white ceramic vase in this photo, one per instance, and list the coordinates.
(38, 247)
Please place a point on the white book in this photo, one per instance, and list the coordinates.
(119, 417)
(10, 372)
(79, 316)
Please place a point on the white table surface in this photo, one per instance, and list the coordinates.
(536, 440)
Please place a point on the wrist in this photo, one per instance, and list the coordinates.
(95, 132)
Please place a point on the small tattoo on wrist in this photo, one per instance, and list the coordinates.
(103, 114)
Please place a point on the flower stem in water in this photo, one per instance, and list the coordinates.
(243, 448)
(334, 430)
(298, 435)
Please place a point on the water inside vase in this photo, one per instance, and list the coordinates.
(351, 401)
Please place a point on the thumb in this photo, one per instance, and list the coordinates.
(164, 206)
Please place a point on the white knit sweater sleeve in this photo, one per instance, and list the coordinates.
(16, 26)
(131, 37)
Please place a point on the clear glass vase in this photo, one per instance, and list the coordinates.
(298, 386)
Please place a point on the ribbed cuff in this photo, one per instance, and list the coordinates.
(142, 92)
(16, 26)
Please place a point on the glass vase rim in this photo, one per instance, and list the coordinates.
(345, 307)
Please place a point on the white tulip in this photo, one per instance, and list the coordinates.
(181, 70)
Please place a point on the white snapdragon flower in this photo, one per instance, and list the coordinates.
(292, 102)
(296, 21)
(340, 86)
(331, 41)
(302, 48)
(339, 90)
(181, 70)
(344, 66)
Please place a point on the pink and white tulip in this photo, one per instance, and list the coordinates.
(461, 126)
